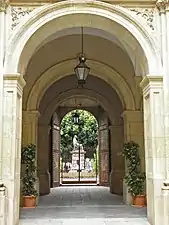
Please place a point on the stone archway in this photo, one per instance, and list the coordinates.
(103, 131)
(114, 20)
(42, 19)
(65, 69)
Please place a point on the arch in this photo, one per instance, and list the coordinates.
(49, 19)
(50, 109)
(63, 69)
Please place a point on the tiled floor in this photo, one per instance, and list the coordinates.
(83, 205)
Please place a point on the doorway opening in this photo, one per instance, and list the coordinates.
(79, 151)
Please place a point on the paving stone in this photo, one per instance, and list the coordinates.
(83, 205)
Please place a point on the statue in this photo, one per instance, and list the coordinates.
(76, 143)
(78, 155)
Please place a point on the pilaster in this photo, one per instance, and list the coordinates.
(43, 158)
(133, 131)
(11, 154)
(117, 161)
(163, 7)
(3, 7)
(154, 137)
(30, 127)
(30, 134)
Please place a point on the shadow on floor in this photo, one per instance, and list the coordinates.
(82, 202)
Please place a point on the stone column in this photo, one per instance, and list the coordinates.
(43, 158)
(30, 133)
(30, 127)
(163, 7)
(134, 131)
(11, 156)
(103, 150)
(3, 7)
(154, 136)
(117, 161)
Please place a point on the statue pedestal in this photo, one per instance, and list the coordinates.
(75, 159)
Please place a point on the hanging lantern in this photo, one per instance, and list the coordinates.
(82, 70)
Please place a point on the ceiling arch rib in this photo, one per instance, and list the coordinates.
(64, 69)
(139, 70)
(57, 100)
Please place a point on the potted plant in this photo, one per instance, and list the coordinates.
(28, 159)
(135, 179)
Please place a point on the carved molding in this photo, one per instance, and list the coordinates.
(18, 13)
(147, 14)
(3, 5)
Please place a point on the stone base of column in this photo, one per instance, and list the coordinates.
(127, 198)
(44, 182)
(116, 182)
(2, 206)
(56, 184)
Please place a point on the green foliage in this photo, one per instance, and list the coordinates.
(86, 131)
(135, 178)
(28, 157)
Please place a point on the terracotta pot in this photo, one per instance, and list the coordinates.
(139, 200)
(29, 201)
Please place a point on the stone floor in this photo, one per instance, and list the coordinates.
(82, 205)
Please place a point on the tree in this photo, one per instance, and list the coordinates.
(86, 131)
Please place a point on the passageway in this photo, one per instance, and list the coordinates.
(82, 205)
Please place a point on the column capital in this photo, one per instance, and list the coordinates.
(162, 5)
(154, 82)
(132, 116)
(13, 78)
(31, 112)
(30, 116)
(3, 5)
(30, 126)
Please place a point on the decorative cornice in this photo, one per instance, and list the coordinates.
(3, 5)
(162, 5)
(15, 77)
(35, 113)
(156, 80)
